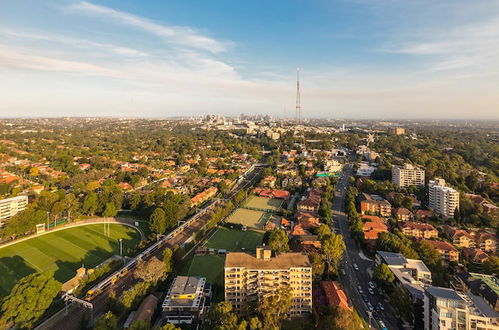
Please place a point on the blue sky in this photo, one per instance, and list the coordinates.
(358, 58)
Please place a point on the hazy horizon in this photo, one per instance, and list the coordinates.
(359, 59)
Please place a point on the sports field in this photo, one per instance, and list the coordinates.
(209, 266)
(234, 240)
(249, 218)
(263, 203)
(62, 251)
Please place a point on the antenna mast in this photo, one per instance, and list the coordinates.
(298, 105)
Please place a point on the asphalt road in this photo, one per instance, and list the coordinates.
(354, 278)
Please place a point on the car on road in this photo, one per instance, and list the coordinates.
(372, 285)
(343, 272)
(381, 306)
(364, 297)
(371, 291)
(382, 325)
(355, 267)
(370, 306)
(359, 288)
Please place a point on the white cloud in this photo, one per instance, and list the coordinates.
(471, 47)
(182, 36)
(73, 42)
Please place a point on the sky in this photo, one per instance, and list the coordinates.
(358, 59)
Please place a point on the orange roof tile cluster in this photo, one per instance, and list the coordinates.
(204, 195)
(335, 295)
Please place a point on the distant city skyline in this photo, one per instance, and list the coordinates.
(358, 59)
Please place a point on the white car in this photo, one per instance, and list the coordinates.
(359, 288)
(355, 267)
(371, 291)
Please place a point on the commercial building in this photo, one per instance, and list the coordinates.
(186, 300)
(447, 309)
(442, 199)
(9, 207)
(410, 274)
(249, 278)
(407, 175)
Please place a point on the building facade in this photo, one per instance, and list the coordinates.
(447, 309)
(9, 207)
(186, 300)
(442, 199)
(407, 175)
(249, 278)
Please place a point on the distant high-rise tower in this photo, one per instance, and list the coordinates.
(298, 105)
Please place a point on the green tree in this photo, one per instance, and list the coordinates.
(28, 300)
(323, 231)
(158, 221)
(402, 302)
(169, 326)
(383, 275)
(140, 325)
(90, 204)
(491, 266)
(107, 321)
(110, 210)
(274, 308)
(151, 270)
(255, 323)
(167, 259)
(333, 248)
(221, 316)
(278, 240)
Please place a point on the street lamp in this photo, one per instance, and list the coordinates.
(121, 247)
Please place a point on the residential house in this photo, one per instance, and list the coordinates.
(402, 214)
(418, 229)
(446, 250)
(374, 204)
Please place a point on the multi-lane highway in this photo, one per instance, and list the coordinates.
(358, 268)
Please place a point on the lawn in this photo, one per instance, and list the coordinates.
(234, 240)
(249, 218)
(63, 252)
(263, 203)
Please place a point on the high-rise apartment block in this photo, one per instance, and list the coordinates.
(12, 206)
(249, 278)
(442, 199)
(446, 309)
(407, 175)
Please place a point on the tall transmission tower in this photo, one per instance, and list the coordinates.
(298, 105)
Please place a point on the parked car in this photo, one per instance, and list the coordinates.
(364, 297)
(343, 272)
(382, 325)
(381, 306)
(355, 267)
(359, 288)
(371, 291)
(372, 285)
(370, 306)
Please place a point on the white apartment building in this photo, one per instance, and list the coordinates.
(12, 206)
(249, 278)
(443, 200)
(365, 169)
(407, 175)
(447, 309)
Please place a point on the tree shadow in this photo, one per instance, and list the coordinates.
(12, 269)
